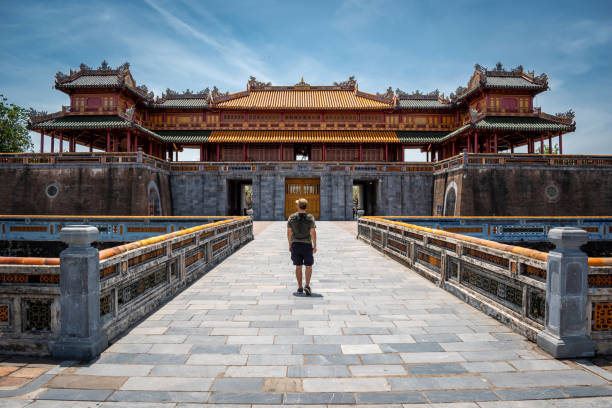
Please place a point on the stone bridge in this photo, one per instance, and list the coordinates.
(374, 332)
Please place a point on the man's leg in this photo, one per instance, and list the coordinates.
(298, 275)
(308, 275)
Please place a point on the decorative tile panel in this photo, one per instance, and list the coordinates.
(37, 316)
(490, 258)
(537, 305)
(4, 314)
(147, 256)
(429, 259)
(602, 316)
(142, 285)
(495, 288)
(600, 281)
(107, 304)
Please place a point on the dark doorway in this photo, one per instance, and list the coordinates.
(301, 152)
(364, 196)
(449, 202)
(239, 198)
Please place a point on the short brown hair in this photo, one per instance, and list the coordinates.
(302, 203)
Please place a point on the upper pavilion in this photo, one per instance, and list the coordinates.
(338, 122)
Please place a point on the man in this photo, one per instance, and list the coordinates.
(302, 239)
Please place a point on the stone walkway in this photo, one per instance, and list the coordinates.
(372, 333)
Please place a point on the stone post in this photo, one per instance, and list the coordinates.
(81, 335)
(564, 335)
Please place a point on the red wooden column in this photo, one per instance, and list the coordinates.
(150, 148)
(360, 152)
(386, 152)
(550, 143)
(218, 152)
(129, 142)
(541, 143)
(488, 144)
(244, 152)
(469, 147)
(91, 145)
(202, 152)
(73, 144)
(453, 147)
(495, 143)
(52, 143)
(61, 138)
(427, 156)
(108, 141)
(136, 142)
(42, 141)
(177, 152)
(475, 142)
(560, 143)
(280, 152)
(324, 152)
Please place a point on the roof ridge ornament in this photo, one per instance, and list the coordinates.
(568, 115)
(434, 95)
(302, 85)
(187, 94)
(254, 84)
(350, 84)
(389, 94)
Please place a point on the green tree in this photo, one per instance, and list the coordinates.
(14, 135)
(547, 150)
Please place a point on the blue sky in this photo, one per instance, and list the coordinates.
(404, 44)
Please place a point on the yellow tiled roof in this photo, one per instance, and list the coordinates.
(302, 136)
(302, 99)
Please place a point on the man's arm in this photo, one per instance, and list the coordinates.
(289, 234)
(313, 234)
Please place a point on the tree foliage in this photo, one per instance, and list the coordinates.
(547, 150)
(14, 135)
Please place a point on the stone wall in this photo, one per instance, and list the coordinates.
(121, 188)
(199, 193)
(82, 190)
(524, 191)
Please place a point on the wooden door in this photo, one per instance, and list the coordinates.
(302, 188)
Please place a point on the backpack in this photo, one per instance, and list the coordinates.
(302, 226)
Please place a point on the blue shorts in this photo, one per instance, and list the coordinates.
(301, 254)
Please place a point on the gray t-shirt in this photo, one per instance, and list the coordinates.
(301, 234)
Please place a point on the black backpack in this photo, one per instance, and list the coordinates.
(302, 226)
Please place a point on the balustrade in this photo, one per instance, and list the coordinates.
(133, 279)
(505, 281)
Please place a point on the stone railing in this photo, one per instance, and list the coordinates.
(111, 228)
(114, 288)
(464, 159)
(505, 281)
(511, 228)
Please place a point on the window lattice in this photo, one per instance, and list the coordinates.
(38, 315)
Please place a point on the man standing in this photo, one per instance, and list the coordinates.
(302, 239)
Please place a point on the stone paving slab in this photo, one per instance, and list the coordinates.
(374, 334)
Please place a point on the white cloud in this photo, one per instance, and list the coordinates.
(234, 52)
